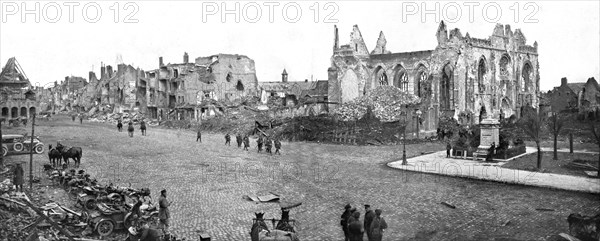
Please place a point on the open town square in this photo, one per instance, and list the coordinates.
(171, 121)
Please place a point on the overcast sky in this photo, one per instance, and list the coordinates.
(567, 33)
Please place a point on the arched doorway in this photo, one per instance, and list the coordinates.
(239, 86)
(31, 111)
(349, 86)
(14, 112)
(24, 111)
(5, 111)
(447, 88)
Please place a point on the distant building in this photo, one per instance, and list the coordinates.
(290, 91)
(17, 98)
(583, 96)
(564, 97)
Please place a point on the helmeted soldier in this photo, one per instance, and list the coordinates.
(269, 145)
(246, 143)
(228, 139)
(259, 143)
(277, 146)
(238, 139)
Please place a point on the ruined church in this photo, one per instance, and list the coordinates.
(466, 78)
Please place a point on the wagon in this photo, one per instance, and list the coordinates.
(20, 144)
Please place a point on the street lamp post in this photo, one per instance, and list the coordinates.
(404, 162)
(418, 112)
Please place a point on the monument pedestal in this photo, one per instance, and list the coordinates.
(490, 133)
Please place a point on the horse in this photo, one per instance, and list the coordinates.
(260, 231)
(73, 152)
(584, 227)
(55, 156)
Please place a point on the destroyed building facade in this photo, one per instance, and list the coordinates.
(463, 77)
(17, 98)
(190, 88)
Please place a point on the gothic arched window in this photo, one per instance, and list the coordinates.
(481, 70)
(504, 61)
(404, 82)
(526, 83)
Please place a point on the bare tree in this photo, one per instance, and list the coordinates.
(555, 125)
(596, 131)
(533, 125)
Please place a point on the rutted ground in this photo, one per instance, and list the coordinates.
(207, 181)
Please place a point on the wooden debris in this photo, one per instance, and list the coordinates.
(449, 205)
(506, 223)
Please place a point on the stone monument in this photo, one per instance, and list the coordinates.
(490, 133)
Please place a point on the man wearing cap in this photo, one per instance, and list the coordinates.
(377, 227)
(344, 221)
(369, 216)
(354, 227)
(163, 212)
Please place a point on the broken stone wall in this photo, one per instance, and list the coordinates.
(234, 76)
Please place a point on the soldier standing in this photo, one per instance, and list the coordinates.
(238, 139)
(163, 213)
(199, 136)
(269, 145)
(18, 175)
(277, 146)
(344, 221)
(369, 216)
(259, 143)
(80, 119)
(143, 127)
(228, 139)
(73, 117)
(246, 143)
(130, 129)
(354, 228)
(377, 226)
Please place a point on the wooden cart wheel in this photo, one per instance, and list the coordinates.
(4, 150)
(105, 227)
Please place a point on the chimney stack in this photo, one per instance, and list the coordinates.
(563, 81)
(102, 72)
(160, 62)
(186, 58)
(109, 71)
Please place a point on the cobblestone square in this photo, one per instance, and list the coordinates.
(207, 182)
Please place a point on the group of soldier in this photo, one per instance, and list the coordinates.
(130, 128)
(263, 140)
(373, 224)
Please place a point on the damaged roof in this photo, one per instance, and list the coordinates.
(320, 88)
(13, 73)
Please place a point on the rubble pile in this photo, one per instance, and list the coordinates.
(20, 222)
(387, 103)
